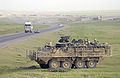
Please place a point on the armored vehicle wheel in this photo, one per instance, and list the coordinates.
(66, 64)
(54, 64)
(79, 64)
(91, 64)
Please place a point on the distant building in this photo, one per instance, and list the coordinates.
(33, 15)
(97, 18)
(117, 18)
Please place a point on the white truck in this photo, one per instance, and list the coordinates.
(28, 27)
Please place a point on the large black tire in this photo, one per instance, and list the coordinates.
(66, 64)
(91, 64)
(30, 31)
(25, 31)
(79, 64)
(54, 64)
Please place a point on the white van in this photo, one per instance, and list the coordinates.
(28, 27)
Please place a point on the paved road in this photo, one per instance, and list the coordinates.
(9, 39)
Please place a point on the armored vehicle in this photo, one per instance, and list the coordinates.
(67, 54)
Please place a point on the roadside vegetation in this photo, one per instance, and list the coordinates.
(15, 28)
(14, 64)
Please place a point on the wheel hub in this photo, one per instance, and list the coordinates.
(66, 64)
(54, 64)
(91, 63)
(80, 64)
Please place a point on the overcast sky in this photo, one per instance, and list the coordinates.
(59, 5)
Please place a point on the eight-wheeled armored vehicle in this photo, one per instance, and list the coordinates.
(67, 54)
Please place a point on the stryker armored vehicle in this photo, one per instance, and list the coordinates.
(68, 54)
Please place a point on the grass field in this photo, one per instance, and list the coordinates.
(15, 28)
(13, 62)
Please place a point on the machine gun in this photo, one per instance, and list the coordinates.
(64, 39)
